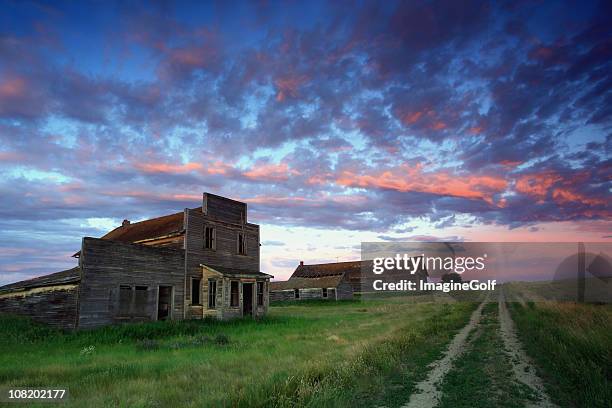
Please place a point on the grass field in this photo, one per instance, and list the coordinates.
(320, 354)
(572, 346)
(311, 354)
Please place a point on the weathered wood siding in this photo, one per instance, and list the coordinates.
(282, 295)
(55, 306)
(107, 264)
(311, 293)
(225, 253)
(344, 290)
(223, 208)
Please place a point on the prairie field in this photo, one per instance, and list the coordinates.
(572, 347)
(315, 353)
(359, 353)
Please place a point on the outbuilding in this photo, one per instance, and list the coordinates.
(320, 281)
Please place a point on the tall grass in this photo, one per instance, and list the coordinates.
(300, 355)
(359, 381)
(572, 346)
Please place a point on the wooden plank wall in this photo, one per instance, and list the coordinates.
(311, 293)
(344, 290)
(226, 209)
(107, 264)
(57, 308)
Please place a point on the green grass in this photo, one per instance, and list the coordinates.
(316, 354)
(571, 345)
(483, 376)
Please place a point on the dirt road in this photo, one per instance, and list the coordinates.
(484, 365)
(522, 367)
(428, 392)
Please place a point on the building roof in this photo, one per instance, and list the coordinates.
(58, 278)
(147, 229)
(354, 270)
(328, 269)
(237, 272)
(307, 283)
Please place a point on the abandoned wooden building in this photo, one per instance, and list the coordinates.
(321, 281)
(192, 264)
(338, 280)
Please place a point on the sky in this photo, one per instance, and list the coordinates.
(337, 122)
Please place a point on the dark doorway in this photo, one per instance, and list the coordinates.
(164, 302)
(247, 299)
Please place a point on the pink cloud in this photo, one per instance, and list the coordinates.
(536, 185)
(11, 157)
(218, 168)
(411, 117)
(271, 172)
(12, 88)
(168, 168)
(288, 86)
(443, 183)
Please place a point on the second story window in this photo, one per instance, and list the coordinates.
(242, 248)
(209, 237)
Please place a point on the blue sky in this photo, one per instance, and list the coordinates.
(337, 122)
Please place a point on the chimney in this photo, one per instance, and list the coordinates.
(125, 222)
(301, 263)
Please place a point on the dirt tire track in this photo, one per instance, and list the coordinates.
(522, 367)
(428, 394)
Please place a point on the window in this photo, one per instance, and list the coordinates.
(133, 301)
(209, 237)
(260, 293)
(235, 294)
(125, 300)
(242, 249)
(296, 293)
(195, 291)
(212, 293)
(324, 292)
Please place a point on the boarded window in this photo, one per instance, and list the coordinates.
(133, 300)
(242, 248)
(195, 291)
(234, 294)
(140, 300)
(260, 293)
(324, 292)
(212, 293)
(209, 237)
(125, 300)
(296, 293)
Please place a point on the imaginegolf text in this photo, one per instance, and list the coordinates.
(406, 285)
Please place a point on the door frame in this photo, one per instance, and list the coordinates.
(171, 303)
(251, 310)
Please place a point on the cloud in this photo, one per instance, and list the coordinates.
(406, 179)
(373, 119)
(273, 243)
